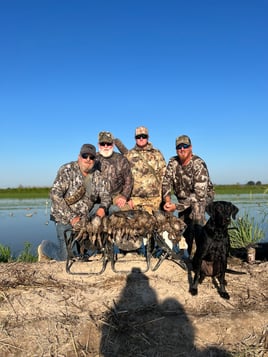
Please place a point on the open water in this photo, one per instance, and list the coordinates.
(28, 220)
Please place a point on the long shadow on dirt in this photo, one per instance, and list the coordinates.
(138, 325)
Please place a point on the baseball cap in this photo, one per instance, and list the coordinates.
(88, 149)
(183, 139)
(141, 130)
(106, 136)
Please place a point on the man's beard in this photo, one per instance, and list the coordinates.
(106, 153)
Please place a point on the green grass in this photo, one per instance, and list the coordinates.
(43, 192)
(240, 189)
(24, 256)
(24, 192)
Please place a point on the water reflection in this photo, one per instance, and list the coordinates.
(28, 220)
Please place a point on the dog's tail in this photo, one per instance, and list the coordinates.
(231, 271)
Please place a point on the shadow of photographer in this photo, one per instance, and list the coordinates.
(138, 325)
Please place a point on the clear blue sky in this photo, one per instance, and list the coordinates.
(69, 69)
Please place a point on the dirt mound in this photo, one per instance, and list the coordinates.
(47, 312)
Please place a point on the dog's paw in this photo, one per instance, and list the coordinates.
(224, 295)
(194, 291)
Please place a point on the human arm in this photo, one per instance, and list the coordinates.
(65, 185)
(202, 188)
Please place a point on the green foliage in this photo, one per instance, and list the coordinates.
(240, 189)
(245, 232)
(26, 255)
(5, 254)
(43, 192)
(25, 192)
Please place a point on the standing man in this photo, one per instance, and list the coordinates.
(188, 177)
(116, 169)
(148, 166)
(77, 187)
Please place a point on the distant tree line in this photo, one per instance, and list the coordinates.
(252, 183)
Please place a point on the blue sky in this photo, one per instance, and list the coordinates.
(70, 69)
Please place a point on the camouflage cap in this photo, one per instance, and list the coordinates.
(183, 139)
(106, 136)
(141, 130)
(88, 149)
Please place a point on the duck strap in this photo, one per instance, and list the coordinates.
(78, 194)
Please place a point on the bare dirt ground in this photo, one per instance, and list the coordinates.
(46, 312)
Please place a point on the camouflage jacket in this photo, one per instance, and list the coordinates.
(191, 184)
(70, 196)
(116, 169)
(148, 167)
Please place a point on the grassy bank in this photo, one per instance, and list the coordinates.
(24, 192)
(240, 189)
(43, 192)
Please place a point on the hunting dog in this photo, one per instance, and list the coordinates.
(213, 245)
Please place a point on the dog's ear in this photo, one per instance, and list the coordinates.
(210, 209)
(234, 211)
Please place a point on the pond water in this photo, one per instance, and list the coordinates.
(28, 220)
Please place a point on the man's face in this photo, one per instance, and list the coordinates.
(106, 149)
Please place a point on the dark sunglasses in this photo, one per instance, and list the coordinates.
(143, 136)
(87, 156)
(104, 143)
(180, 146)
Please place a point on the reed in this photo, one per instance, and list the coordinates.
(24, 256)
(245, 232)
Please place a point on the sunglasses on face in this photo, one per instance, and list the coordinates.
(180, 146)
(87, 156)
(141, 136)
(103, 143)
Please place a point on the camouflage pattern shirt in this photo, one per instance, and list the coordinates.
(116, 169)
(71, 196)
(191, 184)
(148, 166)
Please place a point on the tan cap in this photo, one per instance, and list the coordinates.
(106, 137)
(183, 139)
(141, 130)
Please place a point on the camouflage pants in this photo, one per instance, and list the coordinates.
(194, 226)
(148, 204)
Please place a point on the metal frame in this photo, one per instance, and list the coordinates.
(167, 253)
(139, 258)
(74, 255)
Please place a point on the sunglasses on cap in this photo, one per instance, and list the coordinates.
(88, 156)
(141, 136)
(104, 143)
(180, 146)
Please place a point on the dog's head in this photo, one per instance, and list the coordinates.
(221, 212)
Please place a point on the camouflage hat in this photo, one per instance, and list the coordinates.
(141, 130)
(88, 149)
(183, 139)
(106, 137)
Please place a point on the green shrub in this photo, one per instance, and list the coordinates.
(26, 255)
(245, 232)
(5, 254)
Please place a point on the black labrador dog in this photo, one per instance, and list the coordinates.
(213, 246)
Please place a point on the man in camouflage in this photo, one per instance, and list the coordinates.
(188, 178)
(116, 169)
(148, 166)
(77, 187)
